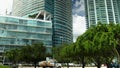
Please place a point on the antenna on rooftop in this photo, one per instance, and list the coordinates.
(6, 11)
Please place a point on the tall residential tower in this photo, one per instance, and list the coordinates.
(104, 11)
(62, 22)
(59, 11)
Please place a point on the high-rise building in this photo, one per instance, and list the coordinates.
(24, 8)
(16, 32)
(104, 11)
(62, 22)
(59, 11)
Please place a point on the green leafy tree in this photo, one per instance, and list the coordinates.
(98, 42)
(39, 52)
(61, 54)
(30, 54)
(81, 50)
(115, 28)
(56, 53)
(104, 44)
(34, 53)
(66, 55)
(12, 56)
(26, 53)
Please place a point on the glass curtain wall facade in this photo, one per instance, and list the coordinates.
(104, 11)
(60, 11)
(25, 7)
(16, 32)
(62, 22)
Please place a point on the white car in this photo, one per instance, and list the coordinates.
(50, 64)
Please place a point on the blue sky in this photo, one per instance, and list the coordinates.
(79, 25)
(78, 7)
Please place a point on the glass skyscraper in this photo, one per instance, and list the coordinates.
(104, 11)
(59, 11)
(24, 8)
(62, 22)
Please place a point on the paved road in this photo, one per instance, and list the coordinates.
(63, 67)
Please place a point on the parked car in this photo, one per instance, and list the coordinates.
(50, 63)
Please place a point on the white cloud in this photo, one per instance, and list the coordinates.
(78, 6)
(5, 5)
(79, 26)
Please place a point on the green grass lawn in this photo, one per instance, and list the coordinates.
(3, 66)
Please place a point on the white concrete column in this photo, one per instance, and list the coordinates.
(38, 15)
(44, 16)
(113, 12)
(95, 11)
(107, 17)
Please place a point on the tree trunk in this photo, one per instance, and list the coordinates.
(67, 65)
(109, 66)
(35, 64)
(83, 65)
(118, 55)
(98, 65)
(83, 62)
